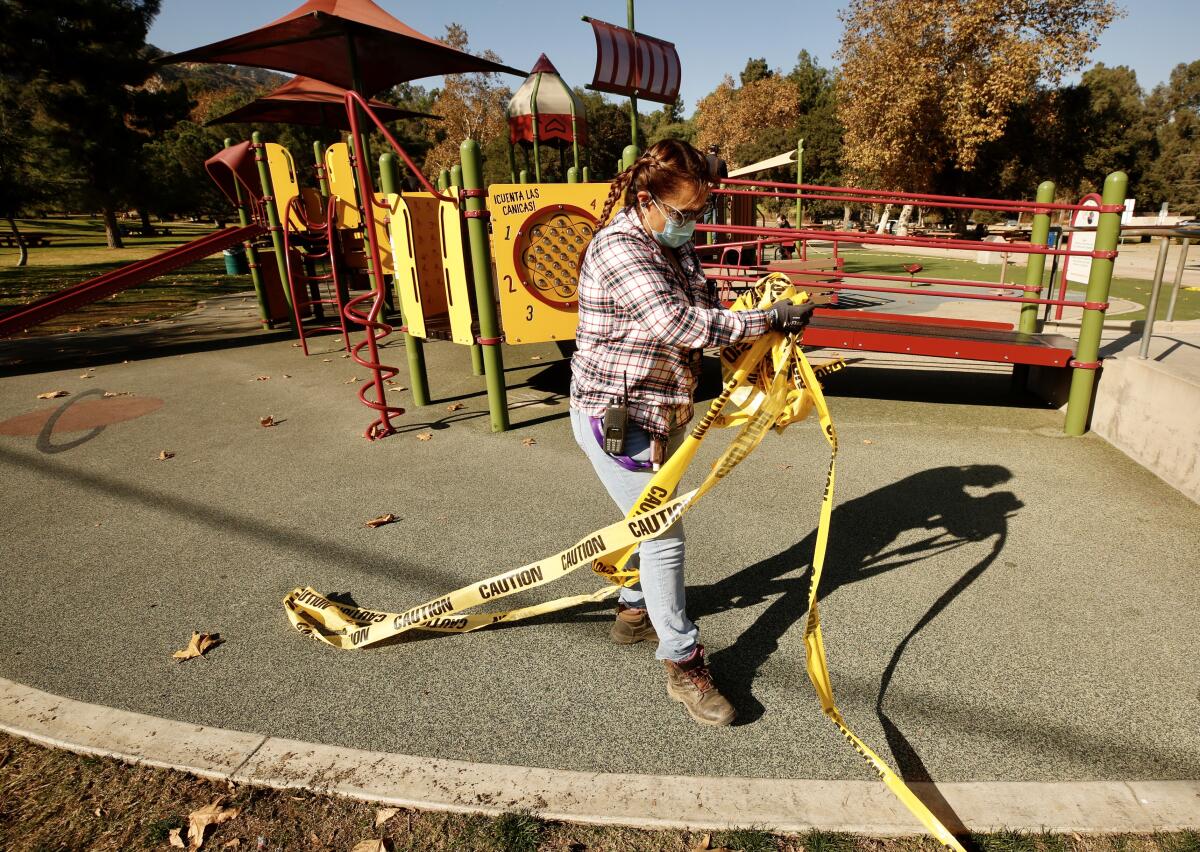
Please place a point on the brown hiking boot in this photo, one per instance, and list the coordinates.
(690, 683)
(632, 626)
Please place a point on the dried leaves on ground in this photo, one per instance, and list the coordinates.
(199, 645)
(54, 394)
(381, 520)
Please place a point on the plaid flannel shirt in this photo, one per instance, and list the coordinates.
(641, 323)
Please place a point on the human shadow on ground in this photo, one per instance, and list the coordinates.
(864, 535)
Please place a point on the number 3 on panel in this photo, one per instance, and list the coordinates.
(529, 313)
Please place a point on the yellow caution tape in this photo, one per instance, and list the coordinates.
(769, 383)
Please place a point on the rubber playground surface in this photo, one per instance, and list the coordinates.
(1000, 602)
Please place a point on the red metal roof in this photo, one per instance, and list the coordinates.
(303, 100)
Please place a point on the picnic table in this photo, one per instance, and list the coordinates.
(32, 239)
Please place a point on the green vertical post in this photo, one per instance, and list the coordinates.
(537, 151)
(523, 177)
(586, 177)
(1083, 380)
(414, 347)
(633, 107)
(1036, 265)
(628, 155)
(273, 220)
(485, 299)
(572, 175)
(456, 180)
(512, 163)
(322, 178)
(443, 180)
(260, 292)
(799, 179)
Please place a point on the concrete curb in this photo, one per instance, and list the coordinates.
(645, 801)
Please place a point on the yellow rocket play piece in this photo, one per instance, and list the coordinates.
(768, 384)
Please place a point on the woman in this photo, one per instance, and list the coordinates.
(646, 312)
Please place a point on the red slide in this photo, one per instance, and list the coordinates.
(139, 272)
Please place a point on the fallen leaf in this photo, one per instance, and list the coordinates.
(868, 441)
(266, 421)
(425, 436)
(76, 328)
(261, 378)
(535, 357)
(350, 380)
(326, 360)
(316, 841)
(455, 406)
(398, 388)
(286, 376)
(381, 520)
(175, 839)
(52, 394)
(232, 844)
(87, 376)
(528, 442)
(110, 394)
(705, 843)
(369, 846)
(295, 345)
(98, 812)
(345, 356)
(199, 821)
(784, 466)
(200, 644)
(164, 455)
(384, 814)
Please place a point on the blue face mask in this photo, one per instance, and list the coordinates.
(673, 236)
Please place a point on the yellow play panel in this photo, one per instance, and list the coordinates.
(539, 235)
(284, 184)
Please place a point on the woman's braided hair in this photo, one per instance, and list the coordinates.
(666, 167)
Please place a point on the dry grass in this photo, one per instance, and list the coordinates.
(52, 800)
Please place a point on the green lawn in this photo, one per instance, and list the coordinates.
(78, 251)
(1133, 289)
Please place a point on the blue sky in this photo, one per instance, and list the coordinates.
(1154, 36)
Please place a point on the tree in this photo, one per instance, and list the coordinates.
(1174, 176)
(926, 84)
(608, 133)
(88, 102)
(471, 106)
(755, 70)
(731, 117)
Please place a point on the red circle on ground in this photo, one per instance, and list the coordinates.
(84, 415)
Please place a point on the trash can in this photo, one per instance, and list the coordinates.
(235, 261)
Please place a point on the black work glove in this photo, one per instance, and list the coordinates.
(788, 318)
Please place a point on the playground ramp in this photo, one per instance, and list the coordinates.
(131, 275)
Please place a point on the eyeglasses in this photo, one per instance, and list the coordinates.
(679, 217)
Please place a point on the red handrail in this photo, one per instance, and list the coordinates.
(880, 196)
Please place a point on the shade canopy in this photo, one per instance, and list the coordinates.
(326, 39)
(546, 108)
(302, 100)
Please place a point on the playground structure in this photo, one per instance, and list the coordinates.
(436, 260)
(484, 266)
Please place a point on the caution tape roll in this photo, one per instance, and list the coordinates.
(769, 383)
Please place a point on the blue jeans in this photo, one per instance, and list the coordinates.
(661, 589)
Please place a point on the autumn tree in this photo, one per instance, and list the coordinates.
(471, 107)
(732, 116)
(925, 84)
